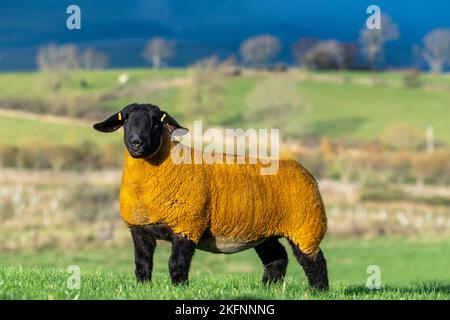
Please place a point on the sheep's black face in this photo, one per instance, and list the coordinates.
(143, 128)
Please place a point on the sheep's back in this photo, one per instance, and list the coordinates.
(247, 205)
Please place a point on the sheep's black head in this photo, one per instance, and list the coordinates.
(143, 128)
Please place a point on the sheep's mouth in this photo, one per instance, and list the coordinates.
(136, 153)
(145, 152)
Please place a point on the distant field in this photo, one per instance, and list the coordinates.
(410, 269)
(344, 105)
(355, 111)
(20, 131)
(443, 79)
(362, 113)
(33, 84)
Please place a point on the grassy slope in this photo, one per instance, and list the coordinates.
(410, 269)
(362, 113)
(32, 84)
(394, 76)
(14, 131)
(19, 131)
(349, 110)
(355, 111)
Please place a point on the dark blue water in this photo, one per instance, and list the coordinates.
(203, 27)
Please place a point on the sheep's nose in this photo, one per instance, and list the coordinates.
(136, 142)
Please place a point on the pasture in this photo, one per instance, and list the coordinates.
(51, 219)
(415, 268)
(355, 106)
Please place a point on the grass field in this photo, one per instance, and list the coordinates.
(25, 131)
(352, 106)
(343, 105)
(410, 269)
(33, 84)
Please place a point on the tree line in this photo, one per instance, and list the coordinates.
(262, 50)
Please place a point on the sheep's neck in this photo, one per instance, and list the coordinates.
(146, 171)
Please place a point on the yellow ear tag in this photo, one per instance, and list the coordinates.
(120, 116)
(162, 118)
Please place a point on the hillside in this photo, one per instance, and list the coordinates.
(351, 106)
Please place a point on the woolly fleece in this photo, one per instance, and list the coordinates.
(231, 201)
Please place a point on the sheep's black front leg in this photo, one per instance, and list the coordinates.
(275, 260)
(180, 260)
(144, 247)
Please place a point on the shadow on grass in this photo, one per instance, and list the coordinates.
(418, 288)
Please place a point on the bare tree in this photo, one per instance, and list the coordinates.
(66, 57)
(325, 55)
(302, 47)
(91, 59)
(436, 50)
(157, 50)
(374, 40)
(260, 49)
(58, 58)
(330, 54)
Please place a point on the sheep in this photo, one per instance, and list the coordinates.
(219, 208)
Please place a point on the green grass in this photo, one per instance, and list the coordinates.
(167, 99)
(395, 76)
(362, 113)
(14, 131)
(352, 111)
(349, 110)
(33, 84)
(410, 269)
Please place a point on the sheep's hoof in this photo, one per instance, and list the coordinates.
(322, 286)
(274, 272)
(273, 278)
(143, 276)
(143, 280)
(180, 280)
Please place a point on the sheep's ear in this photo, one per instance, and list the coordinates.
(172, 125)
(111, 124)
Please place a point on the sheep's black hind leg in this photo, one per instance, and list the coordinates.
(180, 260)
(144, 247)
(275, 260)
(315, 269)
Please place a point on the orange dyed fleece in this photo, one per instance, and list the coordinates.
(232, 201)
